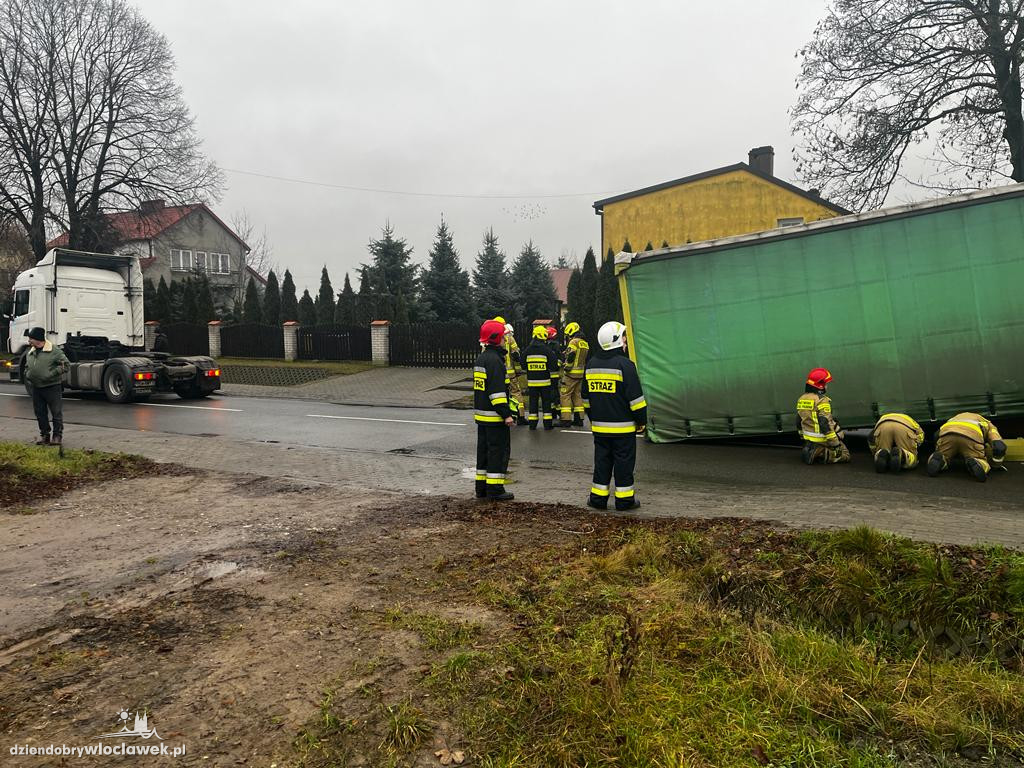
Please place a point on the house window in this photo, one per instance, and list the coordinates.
(793, 222)
(201, 261)
(181, 261)
(220, 263)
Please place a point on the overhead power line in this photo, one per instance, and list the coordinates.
(462, 195)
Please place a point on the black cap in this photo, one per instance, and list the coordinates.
(37, 334)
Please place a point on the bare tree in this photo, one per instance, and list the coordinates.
(260, 257)
(881, 76)
(91, 119)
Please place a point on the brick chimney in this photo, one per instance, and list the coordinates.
(147, 207)
(762, 159)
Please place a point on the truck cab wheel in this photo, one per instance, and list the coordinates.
(116, 385)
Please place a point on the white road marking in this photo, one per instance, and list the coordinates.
(393, 421)
(194, 407)
(575, 432)
(12, 394)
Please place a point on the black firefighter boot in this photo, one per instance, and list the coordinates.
(577, 420)
(43, 440)
(502, 496)
(882, 460)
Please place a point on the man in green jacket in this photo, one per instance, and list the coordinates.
(44, 366)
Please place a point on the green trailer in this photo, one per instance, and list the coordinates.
(915, 309)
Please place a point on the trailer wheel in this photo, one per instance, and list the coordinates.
(116, 385)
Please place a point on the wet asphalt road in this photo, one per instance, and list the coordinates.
(451, 434)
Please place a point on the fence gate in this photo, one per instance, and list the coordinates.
(434, 345)
(334, 342)
(252, 340)
(187, 338)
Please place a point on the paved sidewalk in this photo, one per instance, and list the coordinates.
(939, 519)
(396, 386)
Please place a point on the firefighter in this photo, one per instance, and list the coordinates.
(555, 375)
(540, 361)
(973, 437)
(615, 405)
(823, 439)
(512, 371)
(492, 414)
(895, 441)
(573, 366)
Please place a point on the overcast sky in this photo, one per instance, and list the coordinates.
(476, 98)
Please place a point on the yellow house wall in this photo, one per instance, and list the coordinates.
(734, 203)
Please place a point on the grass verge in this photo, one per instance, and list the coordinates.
(30, 472)
(728, 643)
(344, 367)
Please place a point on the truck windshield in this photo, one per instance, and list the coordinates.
(20, 303)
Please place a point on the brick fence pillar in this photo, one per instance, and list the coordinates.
(380, 332)
(213, 328)
(291, 340)
(150, 337)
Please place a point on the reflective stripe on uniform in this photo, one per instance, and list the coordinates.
(637, 404)
(900, 418)
(586, 403)
(970, 424)
(604, 374)
(624, 493)
(599, 490)
(613, 427)
(498, 398)
(495, 478)
(814, 437)
(537, 359)
(576, 372)
(542, 383)
(487, 416)
(479, 369)
(481, 475)
(531, 417)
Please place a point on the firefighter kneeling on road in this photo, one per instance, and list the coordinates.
(822, 436)
(615, 405)
(572, 376)
(540, 361)
(894, 442)
(972, 437)
(492, 414)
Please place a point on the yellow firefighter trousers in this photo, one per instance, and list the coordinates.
(828, 454)
(892, 434)
(571, 395)
(515, 393)
(953, 445)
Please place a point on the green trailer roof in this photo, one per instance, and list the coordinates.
(914, 308)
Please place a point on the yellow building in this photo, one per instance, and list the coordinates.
(734, 200)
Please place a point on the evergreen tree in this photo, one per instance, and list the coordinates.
(307, 309)
(235, 316)
(148, 299)
(573, 293)
(365, 300)
(606, 304)
(271, 301)
(491, 288)
(162, 302)
(252, 312)
(325, 300)
(649, 246)
(289, 304)
(664, 244)
(445, 293)
(205, 309)
(391, 275)
(588, 296)
(176, 311)
(345, 310)
(189, 307)
(533, 290)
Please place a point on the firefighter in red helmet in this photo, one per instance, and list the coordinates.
(492, 413)
(823, 439)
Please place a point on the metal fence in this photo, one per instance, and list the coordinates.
(252, 340)
(187, 338)
(443, 345)
(334, 342)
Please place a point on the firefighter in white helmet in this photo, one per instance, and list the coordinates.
(615, 404)
(512, 371)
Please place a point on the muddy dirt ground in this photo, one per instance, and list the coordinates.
(231, 609)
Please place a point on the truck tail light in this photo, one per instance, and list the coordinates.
(144, 376)
(212, 373)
